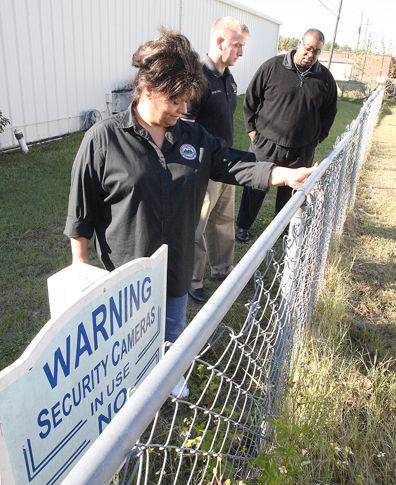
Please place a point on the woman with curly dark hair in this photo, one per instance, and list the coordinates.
(139, 177)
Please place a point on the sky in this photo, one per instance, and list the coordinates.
(377, 19)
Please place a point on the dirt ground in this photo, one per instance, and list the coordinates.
(370, 239)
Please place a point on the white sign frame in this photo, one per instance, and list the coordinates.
(79, 370)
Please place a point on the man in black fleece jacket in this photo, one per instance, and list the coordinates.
(289, 108)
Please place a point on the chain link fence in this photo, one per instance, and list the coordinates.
(237, 352)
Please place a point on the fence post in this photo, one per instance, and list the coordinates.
(279, 367)
(340, 192)
(292, 258)
(359, 158)
(287, 317)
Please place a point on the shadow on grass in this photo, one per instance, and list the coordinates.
(372, 331)
(386, 109)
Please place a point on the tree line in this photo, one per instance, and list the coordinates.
(287, 43)
(367, 46)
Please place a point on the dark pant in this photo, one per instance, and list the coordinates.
(265, 149)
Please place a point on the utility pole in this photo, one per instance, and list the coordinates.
(360, 29)
(354, 72)
(334, 36)
(365, 49)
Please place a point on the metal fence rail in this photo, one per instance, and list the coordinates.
(237, 352)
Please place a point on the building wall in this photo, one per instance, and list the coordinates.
(62, 58)
(362, 67)
(375, 65)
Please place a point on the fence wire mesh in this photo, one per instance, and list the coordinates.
(238, 378)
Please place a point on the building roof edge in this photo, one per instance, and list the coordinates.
(245, 8)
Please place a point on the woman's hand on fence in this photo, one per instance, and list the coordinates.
(300, 175)
(293, 177)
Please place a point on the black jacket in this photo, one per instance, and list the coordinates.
(215, 110)
(287, 110)
(135, 197)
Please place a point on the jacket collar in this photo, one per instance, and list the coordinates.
(211, 67)
(289, 63)
(127, 119)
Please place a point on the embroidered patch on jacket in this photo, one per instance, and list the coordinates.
(188, 152)
(234, 87)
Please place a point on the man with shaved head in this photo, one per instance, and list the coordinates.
(289, 108)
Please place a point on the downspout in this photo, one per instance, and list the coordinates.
(21, 140)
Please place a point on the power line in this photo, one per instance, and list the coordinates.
(340, 18)
(327, 8)
(334, 13)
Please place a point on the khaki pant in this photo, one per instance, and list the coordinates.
(217, 222)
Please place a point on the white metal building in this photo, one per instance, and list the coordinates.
(61, 59)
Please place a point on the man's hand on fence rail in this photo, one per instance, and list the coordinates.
(293, 177)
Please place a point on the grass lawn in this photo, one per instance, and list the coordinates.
(34, 191)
